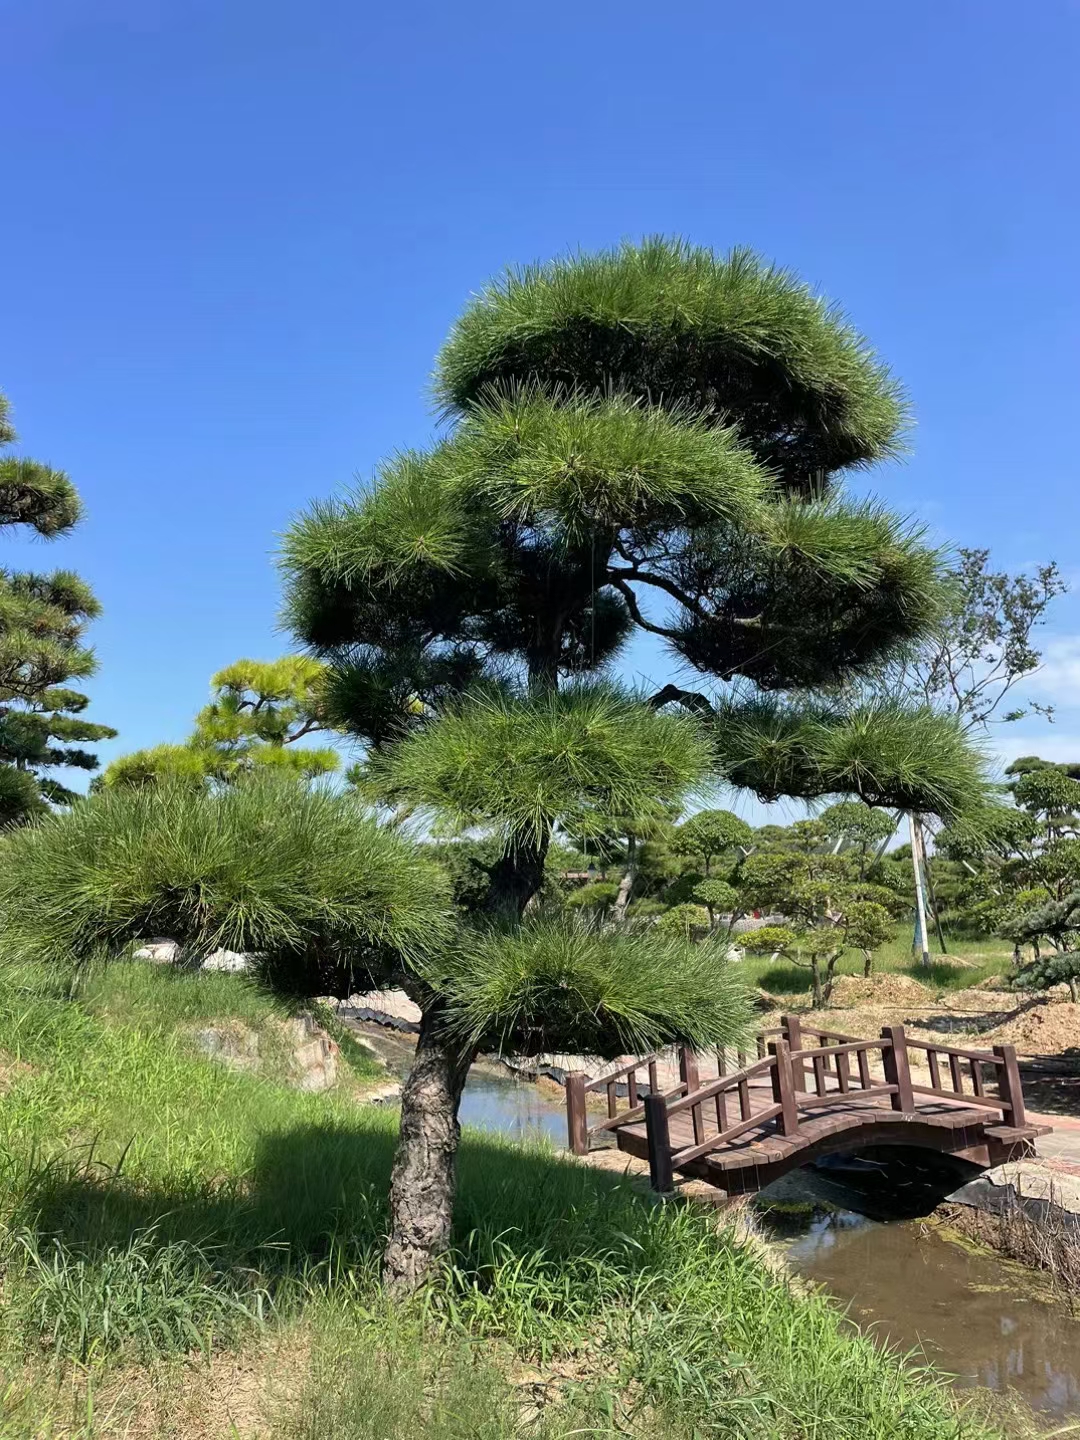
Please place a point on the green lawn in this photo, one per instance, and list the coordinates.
(165, 1221)
(985, 958)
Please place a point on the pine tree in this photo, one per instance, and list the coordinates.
(43, 621)
(651, 438)
(259, 710)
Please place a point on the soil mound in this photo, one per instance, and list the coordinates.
(1045, 1028)
(851, 990)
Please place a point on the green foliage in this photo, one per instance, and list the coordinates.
(860, 825)
(586, 464)
(884, 752)
(868, 925)
(1060, 967)
(43, 622)
(683, 919)
(562, 986)
(769, 940)
(32, 493)
(1050, 795)
(621, 423)
(828, 908)
(599, 895)
(582, 757)
(260, 709)
(716, 895)
(174, 765)
(304, 878)
(708, 834)
(666, 318)
(1000, 830)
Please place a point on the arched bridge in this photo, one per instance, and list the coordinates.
(808, 1093)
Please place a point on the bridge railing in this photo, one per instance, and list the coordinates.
(805, 1068)
(1009, 1100)
(624, 1090)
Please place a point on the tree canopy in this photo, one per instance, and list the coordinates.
(653, 437)
(43, 623)
(259, 711)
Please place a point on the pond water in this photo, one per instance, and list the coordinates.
(512, 1107)
(979, 1318)
(975, 1316)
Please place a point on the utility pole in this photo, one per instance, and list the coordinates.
(915, 835)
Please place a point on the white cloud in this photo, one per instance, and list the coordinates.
(1048, 743)
(1059, 676)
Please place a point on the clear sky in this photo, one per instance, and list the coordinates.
(235, 235)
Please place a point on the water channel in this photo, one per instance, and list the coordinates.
(974, 1315)
(979, 1318)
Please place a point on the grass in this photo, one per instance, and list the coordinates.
(984, 958)
(165, 1217)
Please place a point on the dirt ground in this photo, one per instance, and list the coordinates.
(1045, 1029)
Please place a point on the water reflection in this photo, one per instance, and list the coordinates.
(512, 1108)
(973, 1315)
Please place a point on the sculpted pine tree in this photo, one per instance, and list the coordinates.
(259, 711)
(43, 620)
(652, 438)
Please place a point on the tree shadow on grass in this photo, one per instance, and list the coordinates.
(315, 1204)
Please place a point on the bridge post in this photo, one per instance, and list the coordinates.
(1010, 1086)
(688, 1069)
(783, 1089)
(894, 1059)
(661, 1175)
(792, 1028)
(577, 1124)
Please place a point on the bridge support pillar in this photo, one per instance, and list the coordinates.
(577, 1121)
(661, 1175)
(894, 1060)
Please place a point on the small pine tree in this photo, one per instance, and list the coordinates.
(259, 711)
(43, 621)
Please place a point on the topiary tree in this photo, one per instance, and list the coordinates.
(651, 438)
(259, 710)
(827, 909)
(43, 621)
(718, 897)
(862, 827)
(708, 834)
(685, 920)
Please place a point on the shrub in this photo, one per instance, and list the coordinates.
(303, 877)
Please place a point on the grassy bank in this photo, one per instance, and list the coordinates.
(192, 1251)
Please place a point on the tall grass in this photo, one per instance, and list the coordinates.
(152, 1203)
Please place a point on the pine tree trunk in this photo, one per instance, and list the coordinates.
(422, 1183)
(867, 964)
(626, 884)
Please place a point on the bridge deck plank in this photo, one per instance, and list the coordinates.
(953, 1125)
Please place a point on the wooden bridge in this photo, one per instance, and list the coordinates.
(808, 1093)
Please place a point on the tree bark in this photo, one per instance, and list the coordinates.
(626, 884)
(422, 1183)
(515, 878)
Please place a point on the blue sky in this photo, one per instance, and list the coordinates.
(236, 233)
